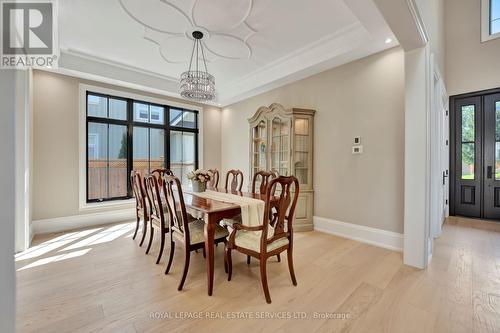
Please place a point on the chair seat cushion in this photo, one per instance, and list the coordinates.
(230, 222)
(197, 232)
(251, 240)
(167, 218)
(164, 206)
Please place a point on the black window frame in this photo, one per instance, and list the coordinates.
(491, 19)
(130, 124)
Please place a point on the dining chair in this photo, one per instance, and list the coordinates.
(190, 232)
(160, 173)
(236, 181)
(214, 181)
(257, 242)
(264, 177)
(141, 207)
(158, 214)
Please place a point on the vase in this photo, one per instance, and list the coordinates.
(199, 186)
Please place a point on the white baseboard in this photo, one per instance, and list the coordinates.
(378, 237)
(32, 233)
(80, 221)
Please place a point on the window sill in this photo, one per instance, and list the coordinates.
(109, 205)
(488, 38)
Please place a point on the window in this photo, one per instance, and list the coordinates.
(468, 141)
(494, 17)
(125, 134)
(490, 17)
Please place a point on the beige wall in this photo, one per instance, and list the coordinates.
(433, 15)
(364, 98)
(471, 65)
(55, 137)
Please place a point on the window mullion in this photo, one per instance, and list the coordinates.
(167, 138)
(107, 171)
(130, 145)
(149, 149)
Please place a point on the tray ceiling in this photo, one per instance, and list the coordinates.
(252, 46)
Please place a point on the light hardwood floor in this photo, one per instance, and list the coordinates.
(100, 280)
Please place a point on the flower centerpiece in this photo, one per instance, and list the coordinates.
(199, 179)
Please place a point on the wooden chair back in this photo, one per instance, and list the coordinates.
(214, 181)
(160, 173)
(265, 177)
(176, 207)
(138, 189)
(153, 191)
(284, 209)
(236, 181)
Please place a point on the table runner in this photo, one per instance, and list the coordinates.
(252, 210)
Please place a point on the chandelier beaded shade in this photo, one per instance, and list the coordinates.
(197, 84)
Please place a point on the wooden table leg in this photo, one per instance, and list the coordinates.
(209, 249)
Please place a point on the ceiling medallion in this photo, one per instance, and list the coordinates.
(197, 84)
(223, 23)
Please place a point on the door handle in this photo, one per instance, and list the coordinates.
(489, 172)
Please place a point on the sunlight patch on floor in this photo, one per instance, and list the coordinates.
(53, 244)
(60, 257)
(103, 236)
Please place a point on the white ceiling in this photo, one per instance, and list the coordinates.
(252, 46)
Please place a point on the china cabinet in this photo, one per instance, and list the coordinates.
(281, 140)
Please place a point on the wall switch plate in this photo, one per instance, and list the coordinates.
(357, 140)
(357, 150)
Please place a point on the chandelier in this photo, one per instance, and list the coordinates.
(197, 84)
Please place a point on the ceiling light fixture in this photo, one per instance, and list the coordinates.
(388, 40)
(197, 84)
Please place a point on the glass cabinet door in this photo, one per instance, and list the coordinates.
(280, 152)
(302, 150)
(259, 147)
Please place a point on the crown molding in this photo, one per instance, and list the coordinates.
(419, 22)
(82, 56)
(352, 43)
(405, 20)
(88, 67)
(355, 41)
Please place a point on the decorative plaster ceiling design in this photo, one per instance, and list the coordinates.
(225, 33)
(253, 45)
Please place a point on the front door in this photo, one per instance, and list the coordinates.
(476, 156)
(491, 187)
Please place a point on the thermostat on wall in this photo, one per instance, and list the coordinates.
(357, 150)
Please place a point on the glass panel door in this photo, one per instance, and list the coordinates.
(301, 161)
(467, 156)
(280, 153)
(468, 141)
(491, 144)
(259, 150)
(497, 140)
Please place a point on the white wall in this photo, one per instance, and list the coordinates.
(433, 15)
(417, 157)
(364, 98)
(7, 204)
(56, 142)
(23, 159)
(470, 64)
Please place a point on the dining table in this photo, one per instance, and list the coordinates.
(212, 212)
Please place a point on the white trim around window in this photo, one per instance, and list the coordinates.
(485, 22)
(82, 119)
